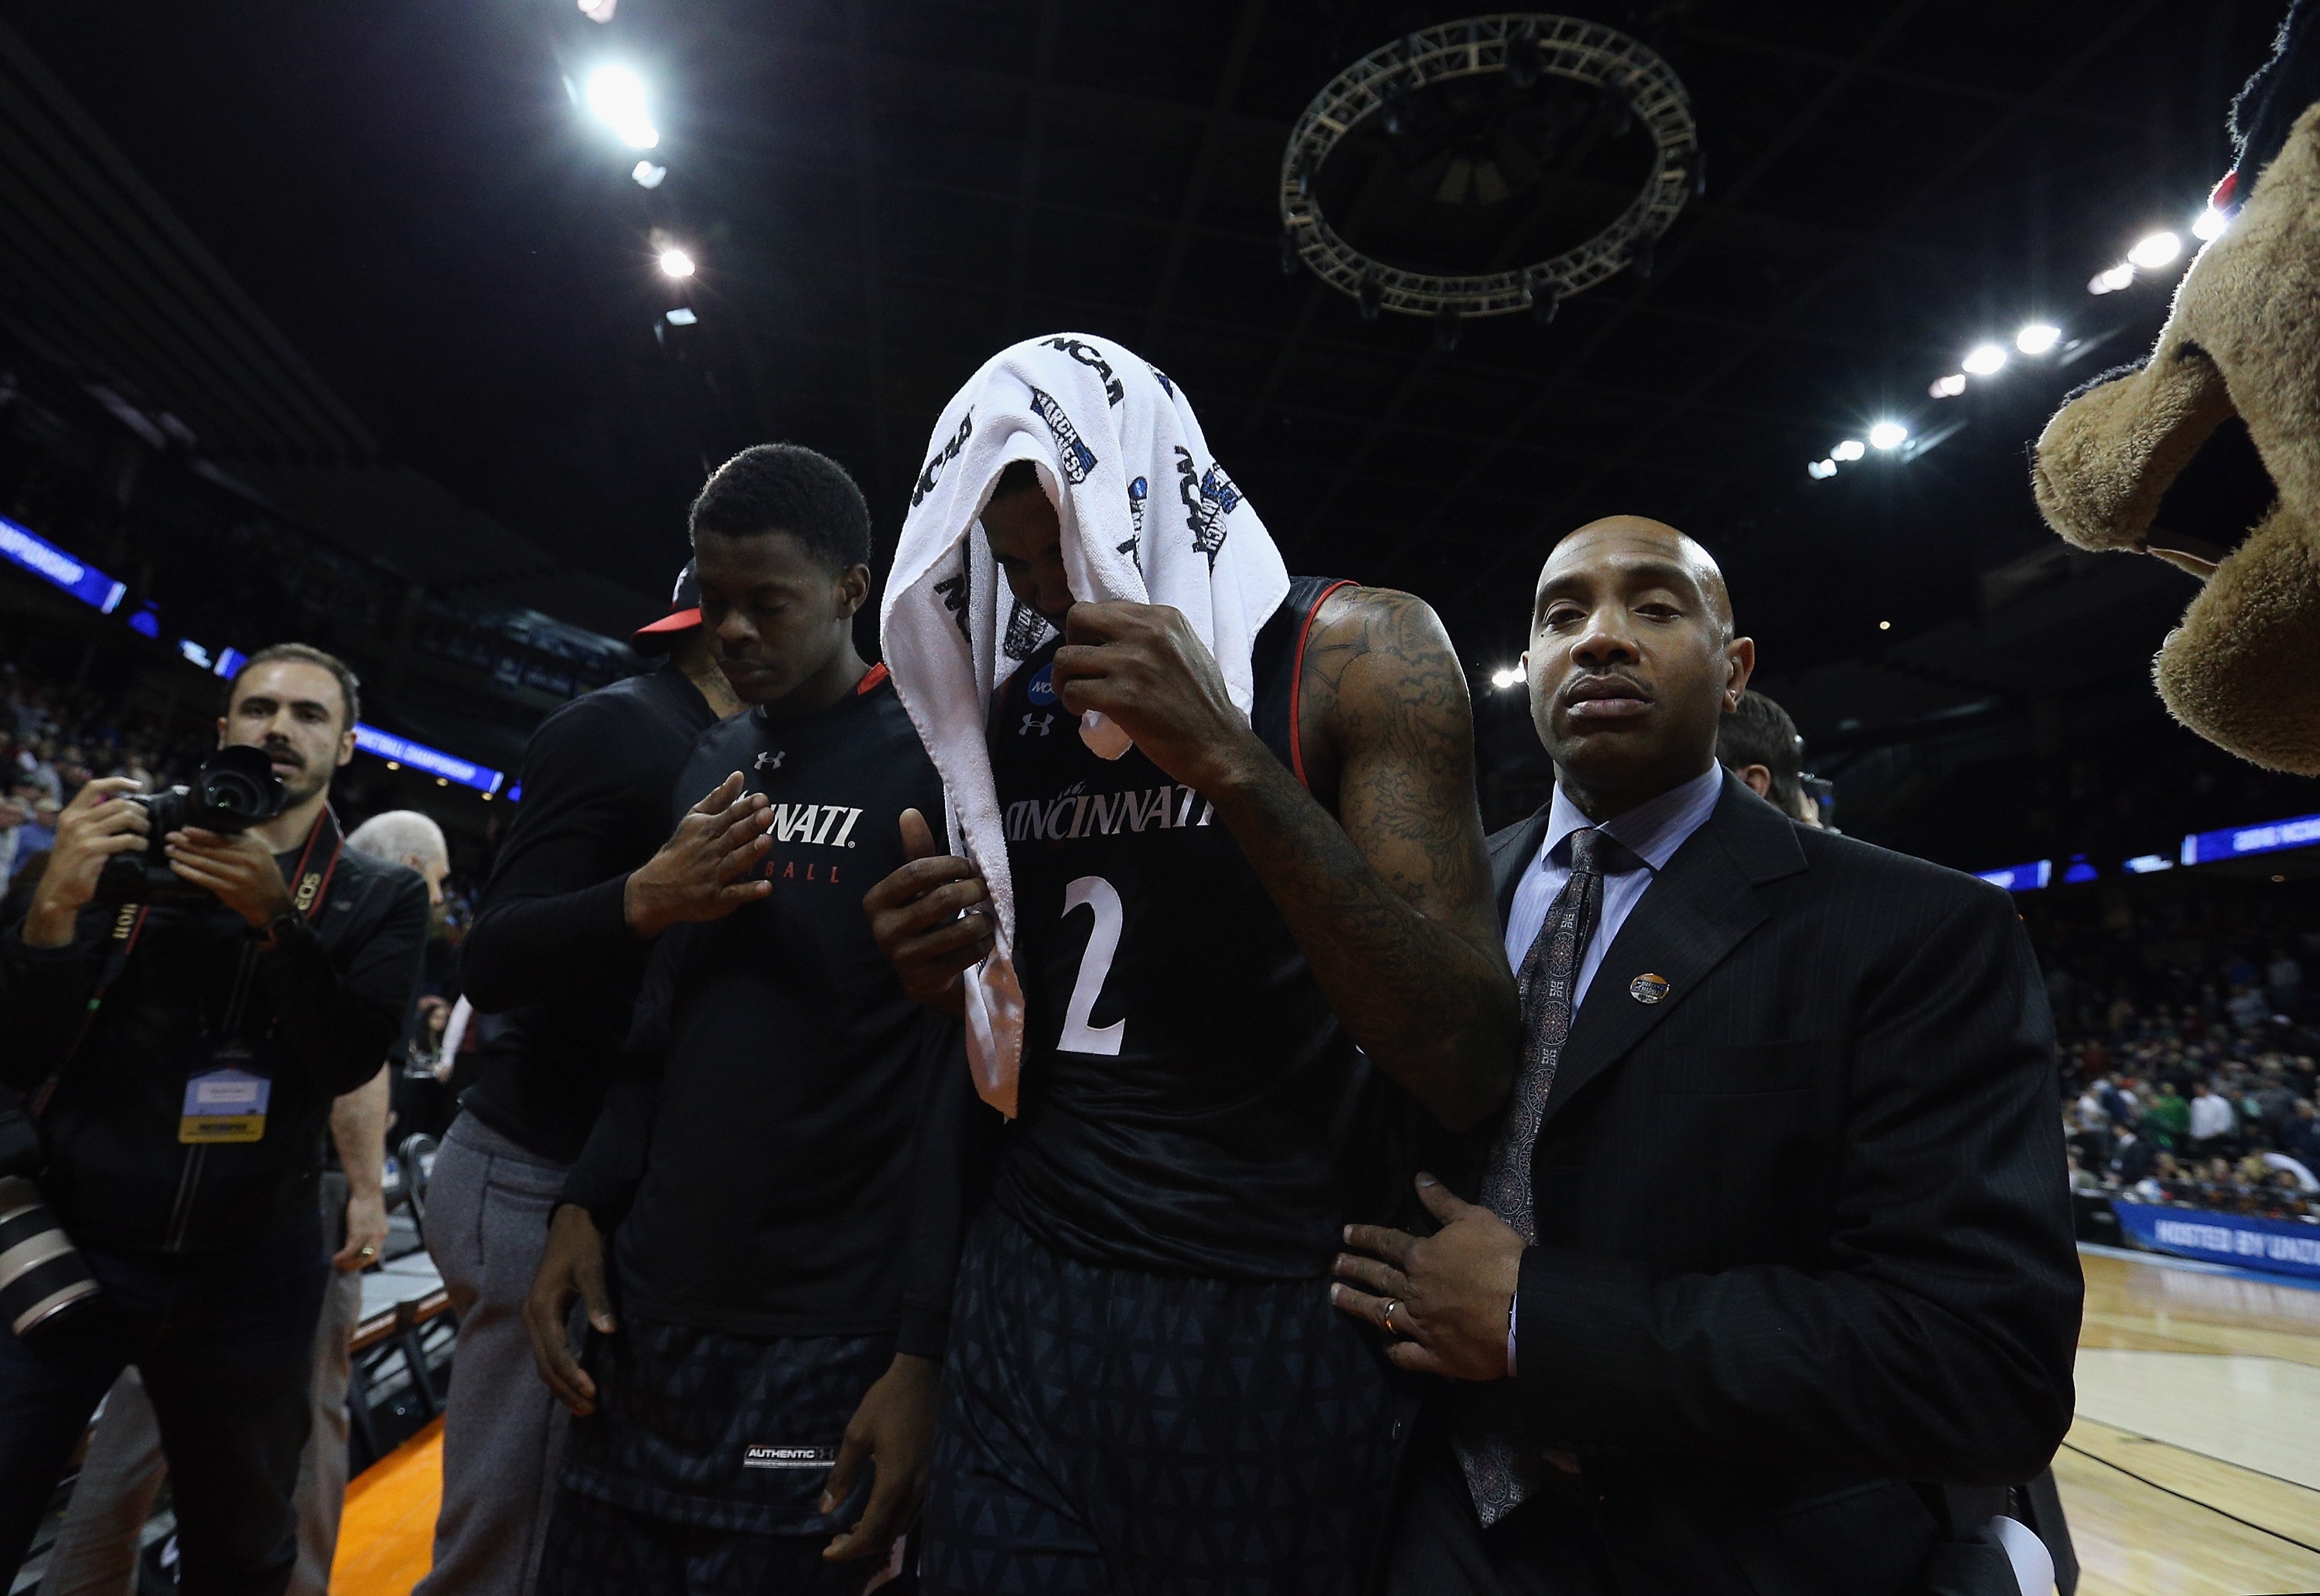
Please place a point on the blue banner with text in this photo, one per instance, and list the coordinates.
(2283, 1245)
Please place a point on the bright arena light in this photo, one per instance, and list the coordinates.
(1506, 676)
(648, 176)
(1948, 387)
(682, 316)
(1820, 470)
(617, 95)
(2210, 224)
(1984, 359)
(1888, 435)
(2037, 338)
(2154, 252)
(1851, 449)
(2111, 281)
(677, 263)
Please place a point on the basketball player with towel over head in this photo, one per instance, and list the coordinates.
(1218, 916)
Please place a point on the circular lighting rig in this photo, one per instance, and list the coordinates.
(1525, 46)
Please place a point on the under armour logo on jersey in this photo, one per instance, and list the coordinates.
(1042, 724)
(771, 759)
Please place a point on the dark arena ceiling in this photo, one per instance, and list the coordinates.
(880, 193)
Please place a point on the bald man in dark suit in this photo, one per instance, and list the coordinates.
(1771, 1286)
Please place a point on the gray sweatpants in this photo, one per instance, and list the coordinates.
(487, 1207)
(97, 1548)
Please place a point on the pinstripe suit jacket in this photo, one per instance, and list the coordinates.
(1804, 1223)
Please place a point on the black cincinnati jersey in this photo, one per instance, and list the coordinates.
(1189, 1103)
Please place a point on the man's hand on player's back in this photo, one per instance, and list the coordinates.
(699, 873)
(932, 918)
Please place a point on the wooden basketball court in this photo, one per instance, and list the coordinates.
(2194, 1467)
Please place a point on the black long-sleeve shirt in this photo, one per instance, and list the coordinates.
(550, 940)
(777, 1155)
(323, 1008)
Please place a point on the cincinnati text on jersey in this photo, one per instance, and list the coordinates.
(1071, 814)
(823, 825)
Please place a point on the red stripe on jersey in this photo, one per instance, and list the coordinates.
(1297, 685)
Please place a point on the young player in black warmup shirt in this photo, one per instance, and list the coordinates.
(771, 1324)
(1144, 1388)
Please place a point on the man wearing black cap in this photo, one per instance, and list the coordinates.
(582, 886)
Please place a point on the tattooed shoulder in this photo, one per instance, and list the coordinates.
(1378, 663)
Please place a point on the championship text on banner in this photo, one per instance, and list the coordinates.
(2281, 1246)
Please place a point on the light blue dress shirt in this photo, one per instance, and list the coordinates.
(1651, 832)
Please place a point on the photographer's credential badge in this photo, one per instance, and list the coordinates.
(225, 1103)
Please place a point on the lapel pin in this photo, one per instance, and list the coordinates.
(1648, 988)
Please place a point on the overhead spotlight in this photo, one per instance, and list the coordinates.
(1506, 676)
(1948, 387)
(2037, 338)
(1884, 626)
(2111, 281)
(2210, 224)
(677, 263)
(1820, 470)
(648, 176)
(1851, 449)
(682, 316)
(1984, 359)
(617, 95)
(2155, 251)
(1888, 435)
(598, 11)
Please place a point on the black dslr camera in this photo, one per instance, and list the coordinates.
(235, 789)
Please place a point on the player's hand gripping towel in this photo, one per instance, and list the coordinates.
(1148, 516)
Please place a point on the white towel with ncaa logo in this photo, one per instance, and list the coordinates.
(1149, 515)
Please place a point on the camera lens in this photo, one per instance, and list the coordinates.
(43, 1276)
(233, 791)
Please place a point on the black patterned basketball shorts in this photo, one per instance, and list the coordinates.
(702, 1471)
(1107, 1430)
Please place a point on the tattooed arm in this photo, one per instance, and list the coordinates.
(1392, 907)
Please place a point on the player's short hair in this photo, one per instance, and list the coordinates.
(398, 835)
(786, 488)
(1760, 732)
(350, 688)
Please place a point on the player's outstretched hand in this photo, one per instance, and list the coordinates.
(572, 1266)
(703, 871)
(1145, 667)
(932, 918)
(894, 1429)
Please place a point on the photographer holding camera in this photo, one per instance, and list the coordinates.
(199, 974)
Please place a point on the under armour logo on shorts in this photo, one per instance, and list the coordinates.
(1042, 724)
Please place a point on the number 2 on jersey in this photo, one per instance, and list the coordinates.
(1103, 942)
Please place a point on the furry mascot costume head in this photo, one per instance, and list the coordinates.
(2243, 669)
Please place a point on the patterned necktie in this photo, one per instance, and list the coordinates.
(1502, 1466)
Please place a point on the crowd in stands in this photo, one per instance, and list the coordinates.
(2188, 1035)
